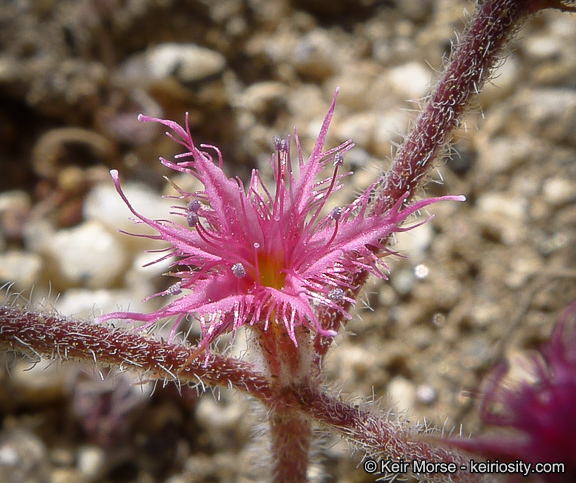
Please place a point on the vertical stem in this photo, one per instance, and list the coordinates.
(287, 365)
(291, 436)
(480, 48)
(278, 353)
(478, 51)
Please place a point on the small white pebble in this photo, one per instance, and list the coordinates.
(188, 62)
(411, 80)
(513, 208)
(8, 455)
(85, 303)
(558, 191)
(88, 255)
(425, 394)
(91, 460)
(421, 271)
(20, 267)
(403, 281)
(402, 393)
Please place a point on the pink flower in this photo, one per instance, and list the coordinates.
(267, 256)
(540, 410)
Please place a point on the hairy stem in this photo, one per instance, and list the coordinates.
(290, 432)
(291, 435)
(383, 437)
(479, 50)
(54, 336)
(291, 408)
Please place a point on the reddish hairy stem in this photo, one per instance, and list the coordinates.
(290, 432)
(480, 48)
(292, 408)
(51, 335)
(382, 437)
(291, 436)
(278, 352)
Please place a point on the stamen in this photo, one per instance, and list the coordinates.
(336, 213)
(238, 270)
(280, 145)
(192, 217)
(338, 160)
(175, 289)
(336, 295)
(194, 205)
(256, 263)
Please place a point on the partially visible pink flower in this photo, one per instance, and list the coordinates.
(267, 256)
(540, 409)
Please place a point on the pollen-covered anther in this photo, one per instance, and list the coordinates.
(175, 289)
(338, 159)
(336, 213)
(238, 270)
(336, 295)
(192, 217)
(194, 205)
(280, 145)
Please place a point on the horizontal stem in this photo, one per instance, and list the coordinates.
(54, 336)
(384, 437)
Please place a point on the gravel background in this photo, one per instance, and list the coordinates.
(484, 279)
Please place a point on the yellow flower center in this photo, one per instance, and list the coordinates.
(271, 267)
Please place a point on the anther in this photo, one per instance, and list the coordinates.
(338, 159)
(175, 289)
(336, 295)
(336, 213)
(280, 145)
(192, 219)
(193, 208)
(238, 270)
(194, 205)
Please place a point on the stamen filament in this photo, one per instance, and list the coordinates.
(337, 163)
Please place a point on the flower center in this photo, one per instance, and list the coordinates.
(270, 268)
